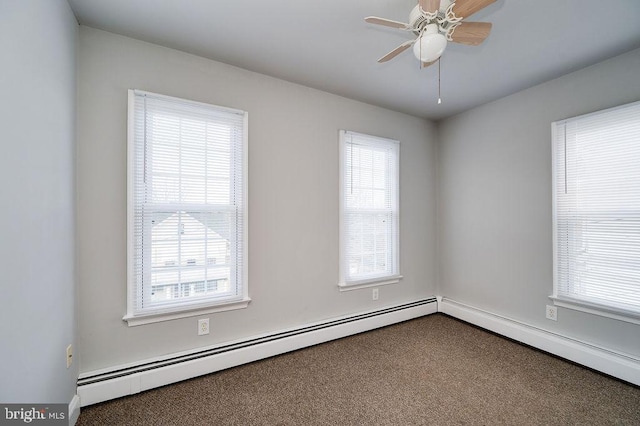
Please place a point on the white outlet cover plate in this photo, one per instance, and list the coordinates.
(203, 326)
(69, 355)
(552, 313)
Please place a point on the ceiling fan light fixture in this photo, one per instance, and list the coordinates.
(430, 45)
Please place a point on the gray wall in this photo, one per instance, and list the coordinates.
(293, 198)
(37, 247)
(495, 215)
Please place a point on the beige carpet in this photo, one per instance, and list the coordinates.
(433, 370)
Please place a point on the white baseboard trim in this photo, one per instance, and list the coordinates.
(94, 387)
(74, 410)
(622, 366)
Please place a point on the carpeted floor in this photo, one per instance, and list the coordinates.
(434, 370)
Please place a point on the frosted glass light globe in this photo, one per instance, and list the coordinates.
(430, 45)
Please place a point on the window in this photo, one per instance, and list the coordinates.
(597, 212)
(369, 170)
(187, 208)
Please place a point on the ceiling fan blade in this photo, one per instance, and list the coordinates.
(387, 22)
(465, 8)
(398, 50)
(430, 6)
(471, 33)
(426, 64)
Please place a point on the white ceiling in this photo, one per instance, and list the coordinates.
(327, 45)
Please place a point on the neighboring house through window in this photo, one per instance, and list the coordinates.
(187, 208)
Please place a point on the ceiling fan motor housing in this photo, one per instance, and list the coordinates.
(417, 20)
(444, 18)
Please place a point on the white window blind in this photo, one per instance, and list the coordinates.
(597, 210)
(187, 218)
(369, 208)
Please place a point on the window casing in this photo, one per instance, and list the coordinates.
(369, 210)
(187, 209)
(596, 187)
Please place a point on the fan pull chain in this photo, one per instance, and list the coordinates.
(439, 98)
(421, 64)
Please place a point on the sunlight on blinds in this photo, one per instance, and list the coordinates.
(597, 208)
(370, 207)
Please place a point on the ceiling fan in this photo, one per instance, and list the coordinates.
(434, 22)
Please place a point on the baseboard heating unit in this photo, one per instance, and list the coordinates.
(94, 387)
(608, 361)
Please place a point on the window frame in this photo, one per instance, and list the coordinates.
(563, 300)
(394, 277)
(181, 309)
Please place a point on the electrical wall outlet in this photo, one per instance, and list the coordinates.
(552, 313)
(69, 355)
(203, 326)
(375, 294)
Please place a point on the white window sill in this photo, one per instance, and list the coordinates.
(595, 309)
(140, 319)
(375, 282)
